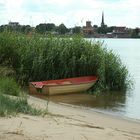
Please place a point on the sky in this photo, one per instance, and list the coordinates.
(71, 12)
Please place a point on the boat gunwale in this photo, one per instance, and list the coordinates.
(62, 84)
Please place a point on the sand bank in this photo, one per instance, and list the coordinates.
(67, 123)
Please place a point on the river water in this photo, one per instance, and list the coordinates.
(121, 104)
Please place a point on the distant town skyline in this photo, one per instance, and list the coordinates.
(71, 12)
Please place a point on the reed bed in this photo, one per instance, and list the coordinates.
(36, 58)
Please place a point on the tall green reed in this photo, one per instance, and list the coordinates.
(43, 58)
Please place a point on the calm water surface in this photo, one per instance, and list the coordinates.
(129, 51)
(121, 104)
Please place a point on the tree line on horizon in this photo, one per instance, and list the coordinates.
(51, 28)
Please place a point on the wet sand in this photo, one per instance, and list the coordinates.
(68, 123)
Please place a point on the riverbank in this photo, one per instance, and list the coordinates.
(68, 123)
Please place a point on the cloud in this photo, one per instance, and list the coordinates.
(71, 12)
(61, 3)
(2, 6)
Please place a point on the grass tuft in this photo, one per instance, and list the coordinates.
(11, 107)
(9, 86)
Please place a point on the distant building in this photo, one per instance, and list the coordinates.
(88, 30)
(13, 24)
(103, 25)
(139, 32)
(120, 32)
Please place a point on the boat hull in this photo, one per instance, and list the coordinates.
(55, 90)
(62, 86)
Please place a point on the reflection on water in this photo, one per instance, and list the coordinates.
(124, 104)
(111, 102)
(105, 101)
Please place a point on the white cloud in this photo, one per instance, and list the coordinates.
(60, 2)
(71, 12)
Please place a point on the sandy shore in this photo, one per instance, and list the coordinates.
(67, 123)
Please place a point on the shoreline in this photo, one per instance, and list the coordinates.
(67, 122)
(52, 104)
(92, 109)
(107, 113)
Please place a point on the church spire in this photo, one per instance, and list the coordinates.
(102, 23)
